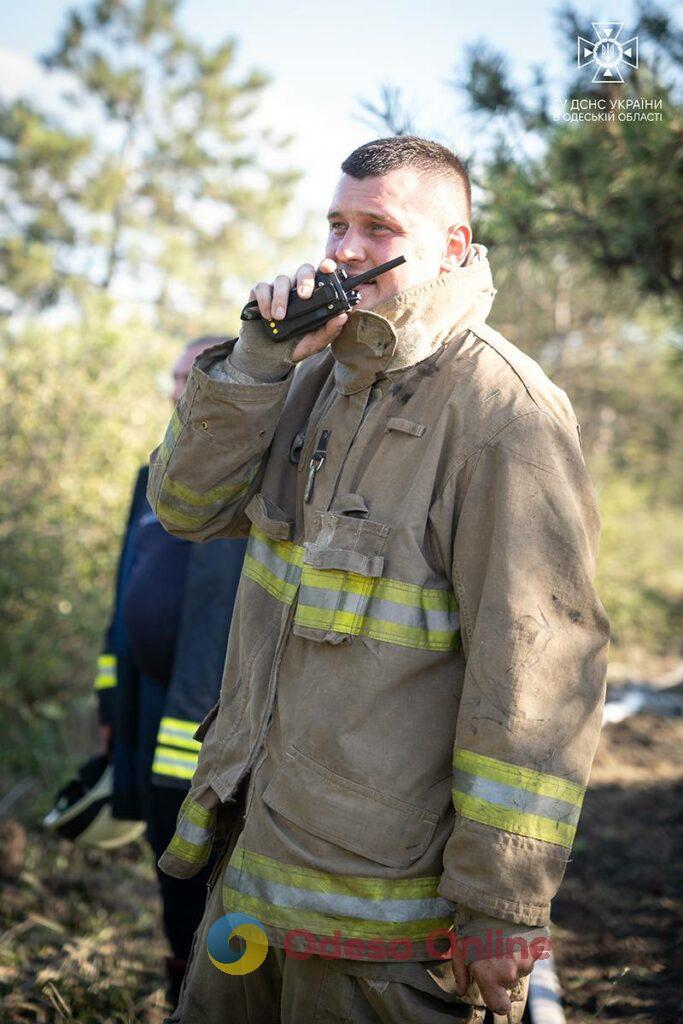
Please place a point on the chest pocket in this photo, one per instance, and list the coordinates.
(340, 575)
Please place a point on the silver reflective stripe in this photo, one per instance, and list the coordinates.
(280, 895)
(187, 763)
(522, 800)
(379, 608)
(289, 572)
(194, 834)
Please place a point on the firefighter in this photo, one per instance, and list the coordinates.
(415, 672)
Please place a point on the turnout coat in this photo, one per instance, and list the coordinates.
(415, 670)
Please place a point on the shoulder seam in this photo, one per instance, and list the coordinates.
(487, 440)
(505, 359)
(546, 412)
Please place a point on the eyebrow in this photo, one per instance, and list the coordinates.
(364, 213)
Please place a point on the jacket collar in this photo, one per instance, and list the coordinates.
(412, 325)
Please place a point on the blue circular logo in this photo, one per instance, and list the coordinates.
(236, 961)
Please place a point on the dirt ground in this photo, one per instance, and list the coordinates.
(618, 914)
(80, 938)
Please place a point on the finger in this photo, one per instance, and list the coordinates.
(316, 341)
(281, 289)
(305, 281)
(327, 266)
(461, 972)
(495, 996)
(263, 293)
(494, 978)
(525, 966)
(332, 328)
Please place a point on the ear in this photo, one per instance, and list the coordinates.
(458, 241)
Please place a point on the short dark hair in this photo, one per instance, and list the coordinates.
(380, 156)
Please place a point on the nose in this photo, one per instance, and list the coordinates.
(349, 249)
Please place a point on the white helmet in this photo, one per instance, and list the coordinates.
(82, 812)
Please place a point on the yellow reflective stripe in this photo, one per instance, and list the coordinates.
(106, 672)
(202, 817)
(377, 629)
(208, 504)
(104, 682)
(286, 896)
(181, 724)
(286, 550)
(362, 886)
(384, 610)
(194, 832)
(178, 732)
(200, 499)
(274, 564)
(410, 594)
(176, 518)
(173, 762)
(521, 824)
(281, 590)
(326, 924)
(516, 775)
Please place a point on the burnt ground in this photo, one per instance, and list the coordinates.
(80, 936)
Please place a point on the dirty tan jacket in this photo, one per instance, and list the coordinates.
(415, 670)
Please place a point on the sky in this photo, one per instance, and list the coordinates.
(324, 58)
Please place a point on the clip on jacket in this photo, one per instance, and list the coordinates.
(333, 294)
(319, 456)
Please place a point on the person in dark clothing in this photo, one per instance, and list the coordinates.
(159, 676)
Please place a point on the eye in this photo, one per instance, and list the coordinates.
(337, 226)
(377, 228)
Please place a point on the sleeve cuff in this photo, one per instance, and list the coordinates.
(482, 937)
(262, 360)
(190, 848)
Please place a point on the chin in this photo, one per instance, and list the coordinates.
(370, 297)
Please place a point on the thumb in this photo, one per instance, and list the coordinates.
(316, 341)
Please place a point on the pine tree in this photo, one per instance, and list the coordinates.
(154, 186)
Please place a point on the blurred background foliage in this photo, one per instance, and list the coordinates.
(140, 221)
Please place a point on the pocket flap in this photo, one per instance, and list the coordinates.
(345, 561)
(365, 821)
(346, 543)
(269, 517)
(351, 505)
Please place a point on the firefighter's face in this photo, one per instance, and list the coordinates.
(372, 220)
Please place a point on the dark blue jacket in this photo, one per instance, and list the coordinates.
(213, 575)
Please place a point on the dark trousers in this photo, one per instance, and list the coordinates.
(182, 899)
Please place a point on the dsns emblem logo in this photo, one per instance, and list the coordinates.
(233, 961)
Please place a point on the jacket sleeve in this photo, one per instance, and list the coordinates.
(535, 637)
(211, 461)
